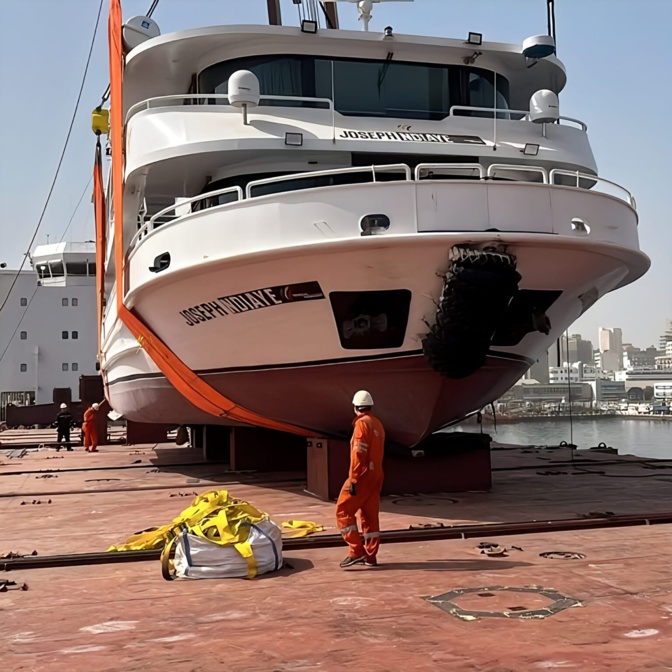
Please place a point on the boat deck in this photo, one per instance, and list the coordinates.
(314, 616)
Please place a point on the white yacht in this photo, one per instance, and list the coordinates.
(309, 211)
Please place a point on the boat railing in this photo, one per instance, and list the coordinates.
(390, 168)
(223, 99)
(427, 170)
(422, 172)
(496, 169)
(504, 114)
(575, 178)
(162, 217)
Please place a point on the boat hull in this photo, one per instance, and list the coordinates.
(411, 399)
(288, 360)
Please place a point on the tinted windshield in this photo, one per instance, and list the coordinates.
(367, 88)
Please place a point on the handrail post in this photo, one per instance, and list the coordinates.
(333, 102)
(494, 132)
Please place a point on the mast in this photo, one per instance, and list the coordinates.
(274, 17)
(329, 9)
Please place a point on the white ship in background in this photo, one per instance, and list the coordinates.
(310, 211)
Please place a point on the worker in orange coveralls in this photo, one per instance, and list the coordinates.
(361, 492)
(89, 429)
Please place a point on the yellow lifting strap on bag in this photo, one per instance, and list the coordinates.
(214, 516)
(167, 567)
(302, 527)
(245, 549)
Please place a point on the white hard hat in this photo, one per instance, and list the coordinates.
(95, 406)
(362, 398)
(63, 406)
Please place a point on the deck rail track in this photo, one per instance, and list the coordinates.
(336, 541)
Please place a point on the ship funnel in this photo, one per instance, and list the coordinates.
(544, 107)
(243, 91)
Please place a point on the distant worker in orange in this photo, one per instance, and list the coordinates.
(89, 429)
(361, 492)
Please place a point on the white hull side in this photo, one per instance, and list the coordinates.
(236, 352)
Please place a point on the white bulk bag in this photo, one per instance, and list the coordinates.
(198, 558)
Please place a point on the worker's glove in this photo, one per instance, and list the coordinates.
(352, 489)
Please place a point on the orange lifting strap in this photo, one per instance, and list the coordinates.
(190, 385)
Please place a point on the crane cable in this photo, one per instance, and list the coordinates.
(60, 161)
(106, 95)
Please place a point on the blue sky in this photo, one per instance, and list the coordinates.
(616, 53)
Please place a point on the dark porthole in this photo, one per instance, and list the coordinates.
(371, 320)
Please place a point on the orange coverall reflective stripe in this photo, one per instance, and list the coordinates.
(367, 449)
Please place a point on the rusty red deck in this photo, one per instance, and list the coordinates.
(315, 616)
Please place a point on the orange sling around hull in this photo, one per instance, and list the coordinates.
(190, 385)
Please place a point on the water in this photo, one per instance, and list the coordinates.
(644, 438)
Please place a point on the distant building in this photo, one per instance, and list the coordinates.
(605, 339)
(579, 350)
(576, 373)
(664, 361)
(563, 374)
(589, 372)
(572, 349)
(611, 361)
(529, 391)
(539, 370)
(666, 336)
(611, 345)
(605, 391)
(618, 345)
(659, 380)
(636, 358)
(48, 331)
(663, 390)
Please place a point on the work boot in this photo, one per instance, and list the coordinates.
(349, 561)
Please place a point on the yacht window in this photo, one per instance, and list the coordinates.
(383, 88)
(386, 89)
(92, 268)
(480, 91)
(278, 75)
